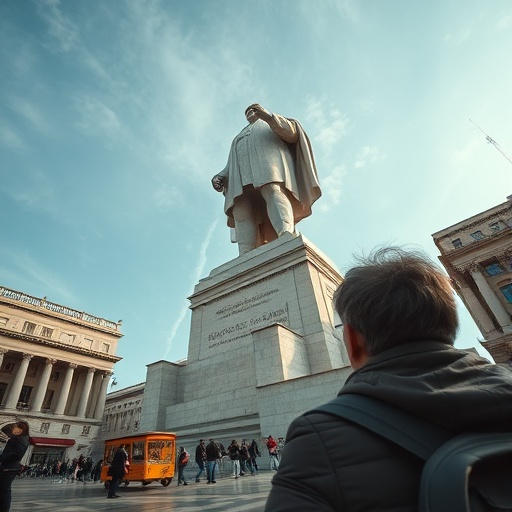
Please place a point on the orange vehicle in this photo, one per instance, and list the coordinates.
(152, 458)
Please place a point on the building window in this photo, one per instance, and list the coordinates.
(507, 292)
(24, 398)
(3, 387)
(496, 226)
(46, 332)
(47, 402)
(494, 269)
(86, 430)
(32, 369)
(8, 367)
(67, 338)
(477, 235)
(138, 450)
(65, 428)
(457, 243)
(29, 328)
(44, 428)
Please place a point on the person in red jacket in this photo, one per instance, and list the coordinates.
(183, 460)
(272, 451)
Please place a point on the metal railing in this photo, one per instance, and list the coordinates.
(57, 308)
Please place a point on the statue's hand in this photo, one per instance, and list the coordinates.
(218, 182)
(261, 112)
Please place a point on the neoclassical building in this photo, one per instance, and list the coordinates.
(55, 366)
(123, 409)
(477, 254)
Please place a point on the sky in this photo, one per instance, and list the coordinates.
(114, 116)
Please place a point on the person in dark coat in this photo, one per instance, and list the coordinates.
(213, 453)
(234, 454)
(18, 438)
(96, 472)
(200, 458)
(254, 452)
(398, 318)
(117, 470)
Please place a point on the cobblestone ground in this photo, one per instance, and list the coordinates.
(245, 494)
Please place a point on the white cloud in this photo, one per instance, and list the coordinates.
(10, 138)
(96, 118)
(368, 155)
(26, 269)
(198, 272)
(457, 38)
(329, 124)
(331, 187)
(29, 112)
(366, 106)
(167, 197)
(63, 31)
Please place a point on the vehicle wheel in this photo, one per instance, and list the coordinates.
(146, 482)
(107, 484)
(166, 481)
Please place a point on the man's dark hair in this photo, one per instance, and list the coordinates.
(24, 427)
(396, 296)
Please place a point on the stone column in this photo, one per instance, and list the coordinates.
(102, 396)
(3, 351)
(95, 395)
(14, 393)
(492, 301)
(82, 405)
(64, 392)
(43, 385)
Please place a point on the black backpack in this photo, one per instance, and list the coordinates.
(467, 472)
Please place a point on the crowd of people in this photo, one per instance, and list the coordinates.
(243, 456)
(80, 469)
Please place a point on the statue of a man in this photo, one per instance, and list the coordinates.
(270, 180)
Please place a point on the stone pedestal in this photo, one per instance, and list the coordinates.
(287, 282)
(261, 329)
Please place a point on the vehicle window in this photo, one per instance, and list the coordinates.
(138, 451)
(160, 451)
(110, 450)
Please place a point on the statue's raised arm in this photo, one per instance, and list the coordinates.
(270, 181)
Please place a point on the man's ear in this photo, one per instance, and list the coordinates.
(355, 343)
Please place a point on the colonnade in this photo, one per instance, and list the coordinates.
(500, 313)
(91, 403)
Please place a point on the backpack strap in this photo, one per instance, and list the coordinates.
(410, 432)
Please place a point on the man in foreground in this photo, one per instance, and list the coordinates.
(398, 320)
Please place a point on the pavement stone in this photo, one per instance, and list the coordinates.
(244, 494)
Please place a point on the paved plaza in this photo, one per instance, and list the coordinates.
(245, 494)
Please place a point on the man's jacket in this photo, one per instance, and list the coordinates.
(330, 464)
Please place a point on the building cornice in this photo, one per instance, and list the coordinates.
(22, 301)
(36, 340)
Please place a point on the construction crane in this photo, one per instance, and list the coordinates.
(490, 140)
